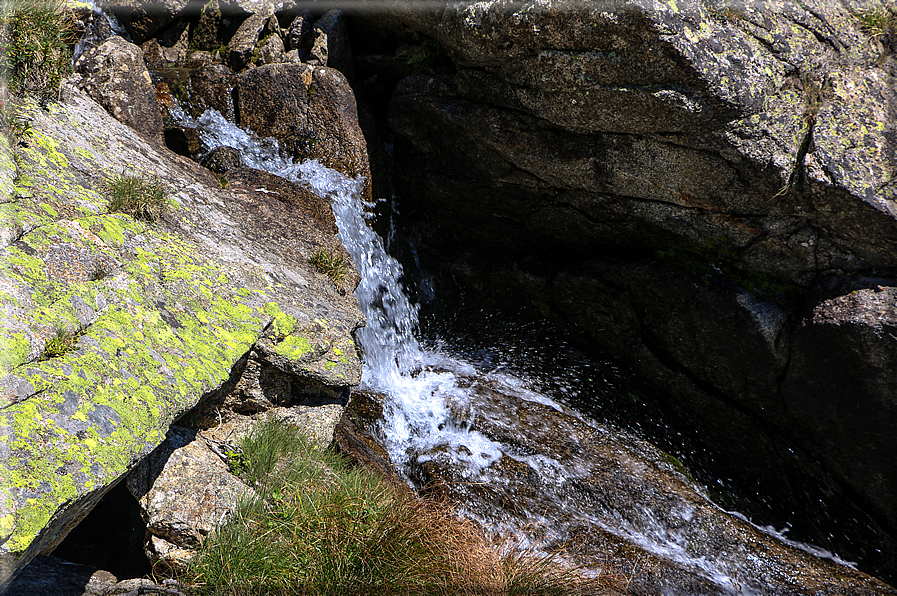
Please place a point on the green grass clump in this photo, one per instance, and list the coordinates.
(335, 266)
(60, 344)
(15, 121)
(35, 46)
(321, 526)
(141, 196)
(879, 20)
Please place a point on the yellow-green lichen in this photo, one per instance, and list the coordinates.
(14, 350)
(283, 323)
(162, 329)
(7, 523)
(293, 347)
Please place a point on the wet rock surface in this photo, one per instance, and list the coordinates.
(594, 494)
(310, 110)
(683, 186)
(558, 138)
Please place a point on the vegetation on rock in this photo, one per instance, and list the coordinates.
(35, 37)
(142, 196)
(332, 265)
(14, 122)
(880, 21)
(321, 526)
(61, 343)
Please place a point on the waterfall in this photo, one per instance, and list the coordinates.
(100, 25)
(394, 364)
(421, 388)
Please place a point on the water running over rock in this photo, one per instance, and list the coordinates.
(517, 460)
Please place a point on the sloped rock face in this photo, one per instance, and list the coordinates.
(696, 189)
(159, 312)
(588, 492)
(639, 117)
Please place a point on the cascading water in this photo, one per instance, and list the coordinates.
(440, 410)
(99, 26)
(394, 362)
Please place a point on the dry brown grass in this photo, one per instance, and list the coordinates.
(322, 526)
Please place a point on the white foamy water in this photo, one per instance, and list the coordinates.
(417, 384)
(92, 36)
(424, 389)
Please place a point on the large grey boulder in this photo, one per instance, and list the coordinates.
(158, 313)
(698, 123)
(186, 492)
(115, 76)
(311, 111)
(692, 187)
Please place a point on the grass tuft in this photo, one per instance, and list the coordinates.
(335, 266)
(321, 526)
(879, 21)
(143, 197)
(60, 344)
(35, 46)
(98, 273)
(15, 121)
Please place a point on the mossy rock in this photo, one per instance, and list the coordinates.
(161, 312)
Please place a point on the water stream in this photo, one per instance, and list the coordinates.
(442, 416)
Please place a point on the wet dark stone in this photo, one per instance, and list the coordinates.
(222, 159)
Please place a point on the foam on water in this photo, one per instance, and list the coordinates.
(421, 387)
(417, 384)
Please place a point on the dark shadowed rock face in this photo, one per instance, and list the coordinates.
(143, 18)
(51, 575)
(330, 45)
(697, 190)
(841, 389)
(749, 132)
